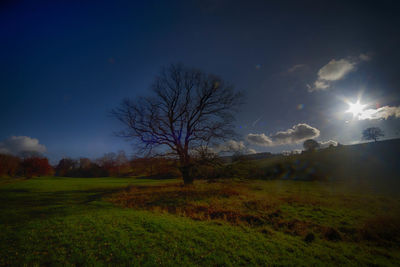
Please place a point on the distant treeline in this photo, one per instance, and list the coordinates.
(370, 161)
(111, 164)
(24, 166)
(116, 165)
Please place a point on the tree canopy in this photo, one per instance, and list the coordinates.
(187, 109)
(310, 145)
(372, 133)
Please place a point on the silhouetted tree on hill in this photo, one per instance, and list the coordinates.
(310, 145)
(372, 133)
(187, 109)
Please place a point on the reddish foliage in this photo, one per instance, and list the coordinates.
(36, 166)
(9, 165)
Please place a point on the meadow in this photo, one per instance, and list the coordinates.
(131, 222)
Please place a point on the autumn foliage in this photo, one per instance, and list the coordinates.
(13, 166)
(9, 165)
(36, 166)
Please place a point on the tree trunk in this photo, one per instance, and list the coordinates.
(186, 168)
(187, 176)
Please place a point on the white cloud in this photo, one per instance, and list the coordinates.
(17, 144)
(250, 151)
(296, 67)
(294, 135)
(324, 144)
(336, 70)
(320, 85)
(259, 139)
(380, 113)
(231, 145)
(234, 146)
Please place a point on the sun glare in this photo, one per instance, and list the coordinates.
(356, 108)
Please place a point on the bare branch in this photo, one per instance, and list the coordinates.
(187, 109)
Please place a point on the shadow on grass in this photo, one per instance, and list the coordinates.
(21, 205)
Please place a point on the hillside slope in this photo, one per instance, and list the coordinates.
(372, 164)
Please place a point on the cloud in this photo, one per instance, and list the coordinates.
(259, 139)
(364, 57)
(319, 85)
(324, 144)
(296, 67)
(380, 113)
(251, 151)
(234, 146)
(18, 144)
(231, 145)
(294, 135)
(336, 70)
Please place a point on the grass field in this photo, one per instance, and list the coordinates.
(101, 221)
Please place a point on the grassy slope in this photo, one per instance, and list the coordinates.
(67, 221)
(375, 165)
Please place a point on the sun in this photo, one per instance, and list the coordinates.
(356, 108)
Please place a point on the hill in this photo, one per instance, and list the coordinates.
(372, 164)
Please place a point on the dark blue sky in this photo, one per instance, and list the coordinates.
(65, 65)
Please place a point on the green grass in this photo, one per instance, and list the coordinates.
(70, 221)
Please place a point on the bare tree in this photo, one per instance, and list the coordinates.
(372, 133)
(187, 109)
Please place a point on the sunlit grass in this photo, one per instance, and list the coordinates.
(70, 221)
(297, 208)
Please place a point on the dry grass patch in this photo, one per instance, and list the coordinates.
(235, 203)
(258, 205)
(230, 202)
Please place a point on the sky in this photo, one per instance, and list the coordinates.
(64, 65)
